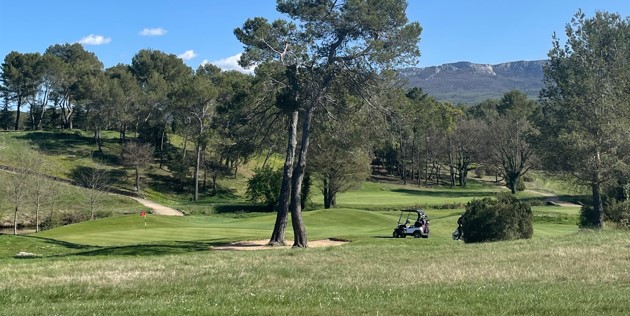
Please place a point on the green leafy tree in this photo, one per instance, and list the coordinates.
(216, 170)
(264, 187)
(6, 116)
(46, 68)
(159, 75)
(96, 95)
(585, 120)
(73, 70)
(197, 100)
(124, 98)
(325, 42)
(19, 78)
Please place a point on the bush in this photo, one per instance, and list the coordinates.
(537, 203)
(618, 213)
(588, 217)
(504, 218)
(62, 218)
(264, 187)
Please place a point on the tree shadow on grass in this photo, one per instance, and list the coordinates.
(164, 183)
(444, 194)
(112, 180)
(58, 143)
(158, 249)
(148, 249)
(107, 159)
(73, 146)
(242, 208)
(62, 243)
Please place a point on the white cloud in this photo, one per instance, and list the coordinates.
(188, 55)
(153, 32)
(95, 40)
(230, 63)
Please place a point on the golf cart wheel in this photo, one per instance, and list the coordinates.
(395, 234)
(417, 234)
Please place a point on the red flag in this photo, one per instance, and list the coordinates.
(143, 213)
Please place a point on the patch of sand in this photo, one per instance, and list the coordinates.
(158, 209)
(262, 244)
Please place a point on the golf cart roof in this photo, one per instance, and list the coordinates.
(417, 211)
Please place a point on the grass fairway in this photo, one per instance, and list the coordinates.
(372, 193)
(117, 267)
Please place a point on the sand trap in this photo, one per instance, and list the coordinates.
(262, 244)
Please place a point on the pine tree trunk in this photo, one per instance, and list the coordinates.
(17, 113)
(197, 162)
(326, 193)
(277, 237)
(299, 231)
(162, 148)
(597, 205)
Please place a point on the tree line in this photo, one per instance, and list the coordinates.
(325, 90)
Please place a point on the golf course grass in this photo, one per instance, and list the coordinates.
(130, 265)
(117, 266)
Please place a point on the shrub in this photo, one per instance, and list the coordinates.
(588, 217)
(618, 213)
(504, 218)
(66, 217)
(264, 186)
(537, 203)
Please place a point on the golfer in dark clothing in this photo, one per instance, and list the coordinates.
(460, 232)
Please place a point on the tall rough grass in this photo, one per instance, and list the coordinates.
(584, 273)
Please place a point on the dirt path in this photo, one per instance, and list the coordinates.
(158, 209)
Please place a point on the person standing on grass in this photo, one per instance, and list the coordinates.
(460, 231)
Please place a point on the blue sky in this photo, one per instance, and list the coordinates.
(453, 30)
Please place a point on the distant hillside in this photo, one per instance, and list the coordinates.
(472, 83)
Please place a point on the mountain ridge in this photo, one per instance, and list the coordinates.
(472, 83)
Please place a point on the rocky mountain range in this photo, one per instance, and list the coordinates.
(470, 83)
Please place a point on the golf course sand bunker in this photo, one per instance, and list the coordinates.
(262, 244)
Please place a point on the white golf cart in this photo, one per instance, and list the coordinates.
(419, 229)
